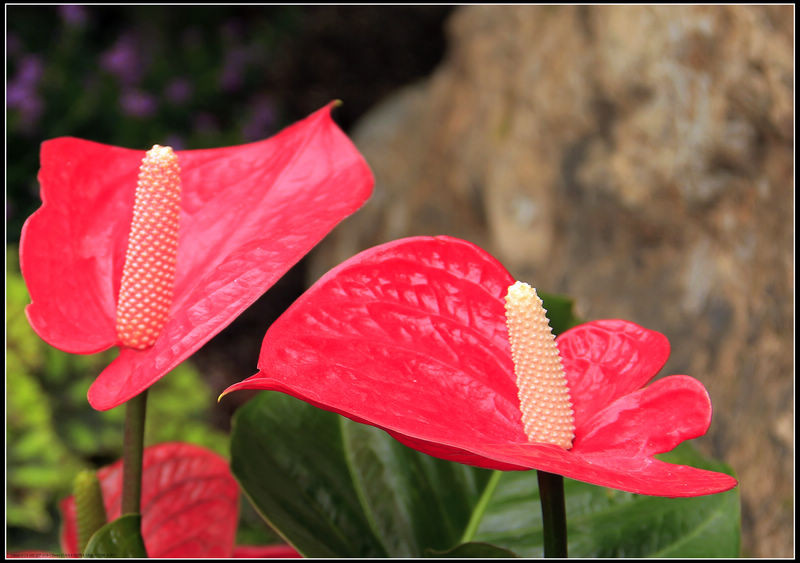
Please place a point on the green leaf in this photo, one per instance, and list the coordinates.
(608, 523)
(52, 433)
(120, 538)
(559, 309)
(289, 459)
(473, 549)
(336, 488)
(414, 501)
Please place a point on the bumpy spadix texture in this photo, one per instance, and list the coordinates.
(148, 278)
(547, 413)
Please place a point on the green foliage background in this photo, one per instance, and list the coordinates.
(52, 432)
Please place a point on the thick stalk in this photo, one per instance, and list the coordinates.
(554, 514)
(132, 453)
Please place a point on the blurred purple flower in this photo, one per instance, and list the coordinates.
(138, 104)
(232, 76)
(29, 71)
(22, 92)
(30, 110)
(74, 15)
(261, 119)
(124, 60)
(16, 94)
(178, 91)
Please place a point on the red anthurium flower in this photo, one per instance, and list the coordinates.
(190, 505)
(209, 231)
(413, 337)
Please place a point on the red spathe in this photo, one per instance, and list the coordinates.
(410, 337)
(190, 506)
(248, 214)
(190, 503)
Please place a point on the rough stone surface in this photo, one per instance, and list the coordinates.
(639, 159)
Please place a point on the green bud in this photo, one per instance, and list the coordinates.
(89, 506)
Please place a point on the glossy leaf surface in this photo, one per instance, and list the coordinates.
(189, 503)
(415, 502)
(412, 505)
(300, 482)
(120, 538)
(559, 312)
(410, 337)
(248, 213)
(475, 550)
(334, 488)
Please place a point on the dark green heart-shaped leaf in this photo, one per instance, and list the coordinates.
(413, 500)
(289, 458)
(559, 312)
(120, 538)
(472, 549)
(335, 488)
(608, 523)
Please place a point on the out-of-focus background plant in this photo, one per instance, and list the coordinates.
(192, 78)
(198, 77)
(51, 433)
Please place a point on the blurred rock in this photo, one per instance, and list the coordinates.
(638, 159)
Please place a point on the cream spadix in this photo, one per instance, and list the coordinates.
(148, 277)
(547, 414)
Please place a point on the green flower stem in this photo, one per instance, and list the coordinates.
(132, 453)
(554, 514)
(480, 508)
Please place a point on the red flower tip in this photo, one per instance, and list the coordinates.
(411, 337)
(148, 277)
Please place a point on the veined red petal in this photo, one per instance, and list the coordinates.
(189, 503)
(410, 337)
(607, 359)
(415, 326)
(248, 214)
(649, 421)
(643, 475)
